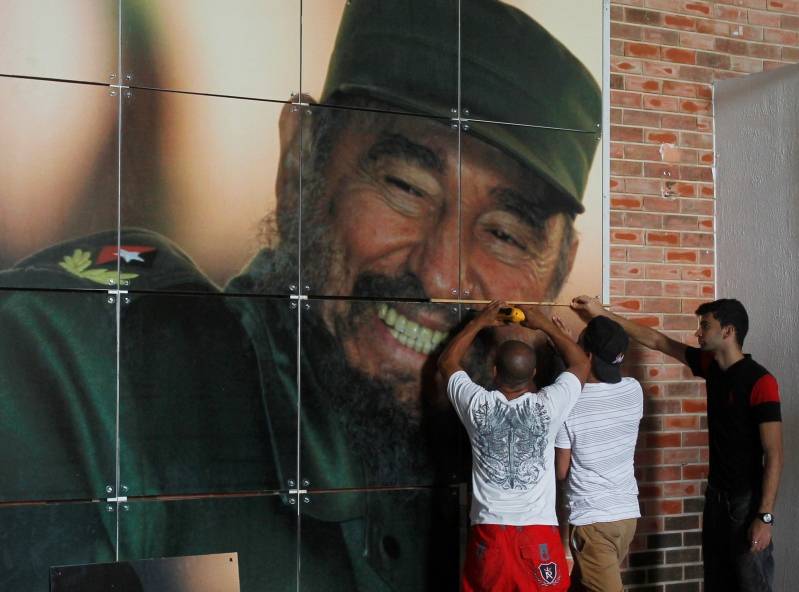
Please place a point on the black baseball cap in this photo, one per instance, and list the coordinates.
(605, 339)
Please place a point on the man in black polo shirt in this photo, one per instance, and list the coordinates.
(745, 432)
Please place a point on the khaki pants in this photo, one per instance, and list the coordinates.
(598, 549)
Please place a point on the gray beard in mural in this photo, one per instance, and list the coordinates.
(395, 443)
(510, 442)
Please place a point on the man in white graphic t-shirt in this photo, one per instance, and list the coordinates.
(594, 451)
(514, 542)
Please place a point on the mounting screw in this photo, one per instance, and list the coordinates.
(466, 111)
(108, 489)
(111, 281)
(465, 127)
(109, 508)
(292, 501)
(306, 500)
(454, 291)
(124, 489)
(128, 76)
(307, 306)
(291, 482)
(111, 300)
(306, 483)
(307, 288)
(112, 76)
(127, 300)
(453, 110)
(113, 92)
(125, 507)
(454, 125)
(128, 94)
(293, 288)
(293, 305)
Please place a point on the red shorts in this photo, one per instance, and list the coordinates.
(512, 558)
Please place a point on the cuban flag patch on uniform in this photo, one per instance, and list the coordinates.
(129, 254)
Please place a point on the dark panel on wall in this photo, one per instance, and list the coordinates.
(208, 394)
(58, 386)
(404, 540)
(34, 537)
(261, 529)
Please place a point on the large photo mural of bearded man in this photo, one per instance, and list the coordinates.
(235, 238)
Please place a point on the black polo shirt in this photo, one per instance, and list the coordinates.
(739, 399)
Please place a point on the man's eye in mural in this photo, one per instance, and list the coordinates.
(506, 237)
(402, 185)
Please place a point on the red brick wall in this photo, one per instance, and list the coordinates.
(665, 55)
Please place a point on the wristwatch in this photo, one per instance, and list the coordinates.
(766, 518)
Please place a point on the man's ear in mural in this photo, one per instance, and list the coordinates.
(287, 183)
(575, 243)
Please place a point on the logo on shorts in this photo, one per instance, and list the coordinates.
(548, 573)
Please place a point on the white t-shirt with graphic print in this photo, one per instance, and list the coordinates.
(513, 453)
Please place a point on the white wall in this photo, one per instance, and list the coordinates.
(757, 240)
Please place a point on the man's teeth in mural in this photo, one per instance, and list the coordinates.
(417, 337)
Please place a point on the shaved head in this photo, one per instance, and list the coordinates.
(515, 363)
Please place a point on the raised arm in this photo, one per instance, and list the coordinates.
(573, 355)
(644, 335)
(449, 362)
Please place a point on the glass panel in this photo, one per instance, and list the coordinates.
(379, 205)
(74, 40)
(250, 48)
(58, 393)
(203, 172)
(404, 540)
(373, 411)
(208, 394)
(262, 529)
(34, 537)
(402, 56)
(58, 180)
(520, 188)
(532, 61)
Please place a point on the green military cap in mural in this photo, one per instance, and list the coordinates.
(405, 53)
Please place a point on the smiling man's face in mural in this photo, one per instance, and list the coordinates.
(392, 208)
(398, 209)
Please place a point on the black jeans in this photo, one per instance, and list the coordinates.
(729, 565)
